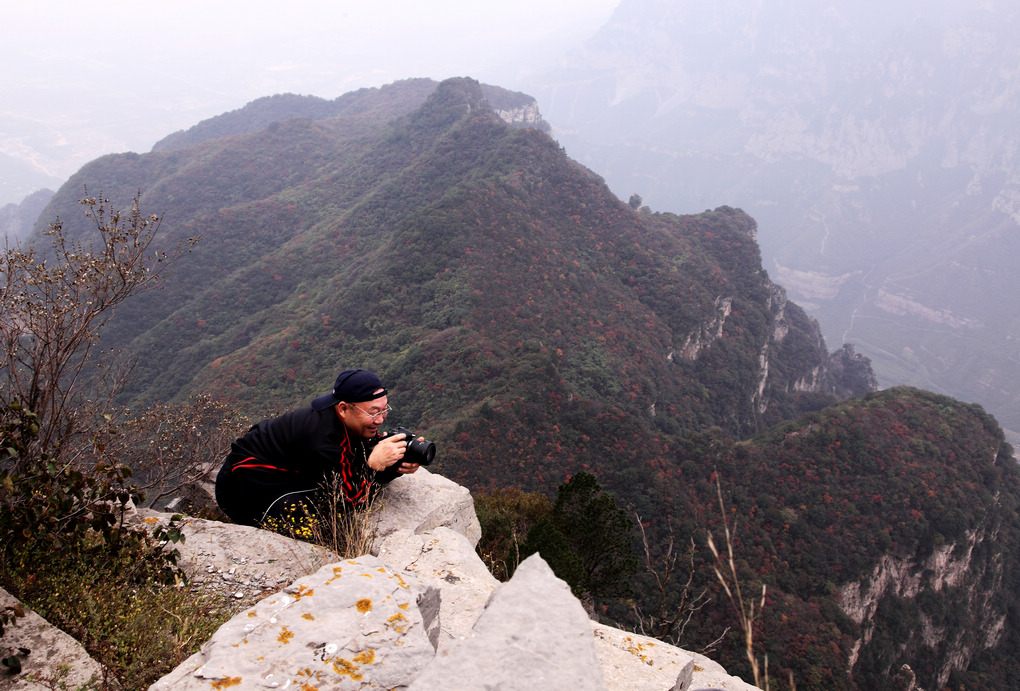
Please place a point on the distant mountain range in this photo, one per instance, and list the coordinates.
(534, 325)
(19, 180)
(875, 144)
(18, 220)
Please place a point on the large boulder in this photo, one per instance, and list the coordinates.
(632, 662)
(447, 561)
(418, 611)
(422, 501)
(239, 562)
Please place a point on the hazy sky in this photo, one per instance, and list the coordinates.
(81, 79)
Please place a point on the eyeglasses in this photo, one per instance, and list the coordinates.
(373, 416)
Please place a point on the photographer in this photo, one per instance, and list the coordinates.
(281, 474)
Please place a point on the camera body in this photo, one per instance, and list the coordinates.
(418, 451)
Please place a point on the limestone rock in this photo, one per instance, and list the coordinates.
(231, 559)
(55, 660)
(533, 634)
(423, 501)
(446, 560)
(631, 662)
(347, 626)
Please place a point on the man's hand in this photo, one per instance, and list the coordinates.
(390, 451)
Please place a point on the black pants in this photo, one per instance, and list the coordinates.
(253, 495)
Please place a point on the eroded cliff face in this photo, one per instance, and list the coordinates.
(953, 578)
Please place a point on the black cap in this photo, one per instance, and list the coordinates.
(352, 386)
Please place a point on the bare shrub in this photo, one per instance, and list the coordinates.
(54, 302)
(172, 445)
(677, 602)
(747, 611)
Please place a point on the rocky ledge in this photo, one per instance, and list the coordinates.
(419, 612)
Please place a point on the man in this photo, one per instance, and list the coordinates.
(281, 473)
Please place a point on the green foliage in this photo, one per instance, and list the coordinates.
(506, 517)
(70, 555)
(586, 540)
(137, 627)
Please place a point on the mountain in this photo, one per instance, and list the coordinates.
(533, 326)
(369, 105)
(874, 144)
(19, 180)
(395, 210)
(885, 529)
(18, 220)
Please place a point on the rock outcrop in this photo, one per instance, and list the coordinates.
(420, 611)
(55, 660)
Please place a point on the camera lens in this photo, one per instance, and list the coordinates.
(421, 451)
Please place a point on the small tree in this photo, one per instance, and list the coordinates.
(589, 537)
(54, 304)
(507, 516)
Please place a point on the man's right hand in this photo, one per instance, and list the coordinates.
(387, 452)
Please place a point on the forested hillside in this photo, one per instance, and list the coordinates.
(533, 326)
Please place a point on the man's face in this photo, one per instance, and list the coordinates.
(363, 419)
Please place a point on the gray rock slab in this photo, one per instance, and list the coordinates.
(55, 659)
(534, 634)
(351, 625)
(238, 561)
(632, 662)
(422, 501)
(447, 560)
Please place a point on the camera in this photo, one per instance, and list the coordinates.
(418, 451)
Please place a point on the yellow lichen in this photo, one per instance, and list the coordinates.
(285, 635)
(363, 605)
(365, 658)
(341, 666)
(253, 613)
(308, 615)
(397, 621)
(303, 591)
(404, 606)
(224, 683)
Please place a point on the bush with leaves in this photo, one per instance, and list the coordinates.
(48, 511)
(70, 554)
(586, 540)
(506, 516)
(67, 548)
